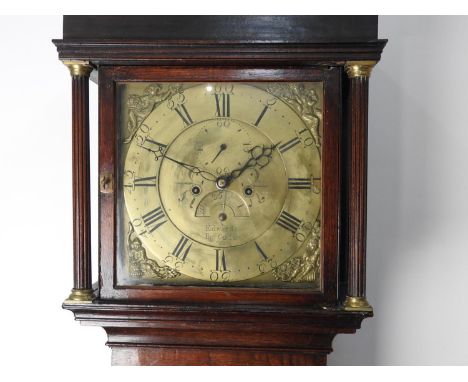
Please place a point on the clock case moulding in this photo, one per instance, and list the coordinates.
(197, 326)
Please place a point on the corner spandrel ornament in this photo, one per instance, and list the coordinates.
(140, 266)
(305, 267)
(304, 102)
(141, 105)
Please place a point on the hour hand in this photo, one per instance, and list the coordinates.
(259, 157)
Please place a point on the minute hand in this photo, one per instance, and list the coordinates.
(204, 174)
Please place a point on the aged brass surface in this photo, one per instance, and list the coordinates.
(79, 68)
(359, 68)
(221, 182)
(80, 296)
(358, 304)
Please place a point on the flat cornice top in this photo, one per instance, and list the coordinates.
(281, 29)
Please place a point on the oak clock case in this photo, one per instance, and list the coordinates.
(221, 183)
(232, 184)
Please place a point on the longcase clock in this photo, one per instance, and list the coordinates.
(232, 184)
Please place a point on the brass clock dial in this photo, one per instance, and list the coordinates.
(222, 181)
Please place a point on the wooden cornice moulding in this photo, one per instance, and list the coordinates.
(104, 52)
(217, 334)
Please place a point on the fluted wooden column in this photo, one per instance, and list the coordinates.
(82, 284)
(358, 73)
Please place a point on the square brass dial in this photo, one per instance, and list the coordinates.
(220, 184)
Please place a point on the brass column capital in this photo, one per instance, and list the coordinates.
(359, 68)
(78, 68)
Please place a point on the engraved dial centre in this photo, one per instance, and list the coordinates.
(222, 214)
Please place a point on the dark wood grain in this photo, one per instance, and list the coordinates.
(331, 181)
(344, 200)
(81, 184)
(107, 201)
(214, 334)
(222, 28)
(145, 52)
(358, 109)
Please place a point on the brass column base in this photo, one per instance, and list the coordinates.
(357, 304)
(80, 296)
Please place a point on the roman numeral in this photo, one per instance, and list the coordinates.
(152, 146)
(261, 116)
(299, 183)
(161, 146)
(260, 251)
(154, 219)
(288, 221)
(220, 260)
(181, 250)
(223, 105)
(183, 114)
(150, 181)
(289, 145)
